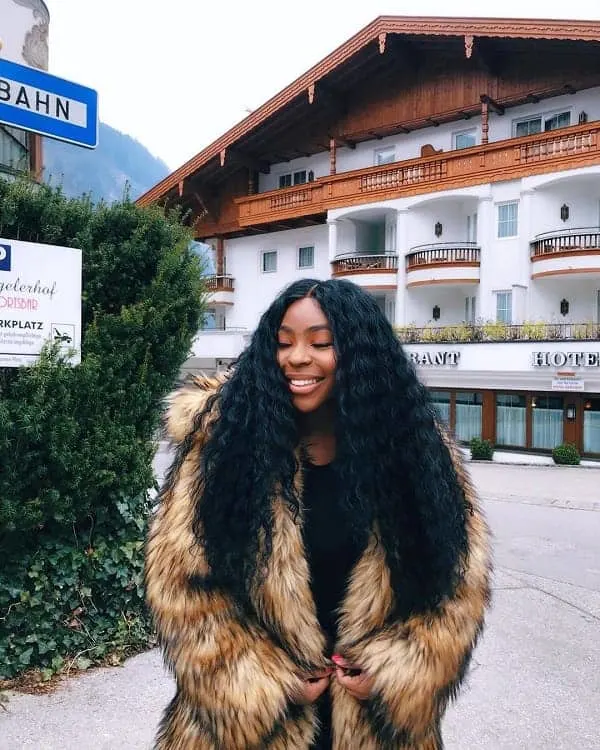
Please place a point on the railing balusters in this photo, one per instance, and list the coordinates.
(216, 283)
(443, 253)
(565, 242)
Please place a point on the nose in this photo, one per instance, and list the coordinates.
(299, 354)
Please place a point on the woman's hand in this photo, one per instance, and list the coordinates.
(314, 684)
(352, 678)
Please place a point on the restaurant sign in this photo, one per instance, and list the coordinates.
(435, 359)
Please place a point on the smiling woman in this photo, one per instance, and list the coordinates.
(319, 566)
(306, 354)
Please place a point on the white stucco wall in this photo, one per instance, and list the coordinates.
(24, 32)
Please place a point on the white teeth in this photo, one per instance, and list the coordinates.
(300, 383)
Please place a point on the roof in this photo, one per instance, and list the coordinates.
(376, 33)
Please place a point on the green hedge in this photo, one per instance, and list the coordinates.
(76, 443)
(566, 454)
(481, 450)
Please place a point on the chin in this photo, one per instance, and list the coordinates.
(306, 406)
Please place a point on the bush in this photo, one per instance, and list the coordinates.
(566, 454)
(481, 450)
(76, 443)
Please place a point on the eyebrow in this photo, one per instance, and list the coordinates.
(322, 327)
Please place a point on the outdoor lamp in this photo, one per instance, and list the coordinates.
(438, 228)
(564, 212)
(436, 312)
(564, 307)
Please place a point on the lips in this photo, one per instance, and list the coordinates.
(304, 385)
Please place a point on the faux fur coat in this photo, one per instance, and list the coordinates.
(235, 672)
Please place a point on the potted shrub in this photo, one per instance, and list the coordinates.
(481, 450)
(566, 454)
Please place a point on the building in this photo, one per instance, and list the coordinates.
(451, 167)
(23, 39)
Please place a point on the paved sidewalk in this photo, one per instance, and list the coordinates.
(534, 683)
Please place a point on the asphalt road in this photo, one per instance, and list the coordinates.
(535, 679)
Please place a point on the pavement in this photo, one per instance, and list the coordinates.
(535, 678)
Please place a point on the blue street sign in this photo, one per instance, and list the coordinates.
(42, 103)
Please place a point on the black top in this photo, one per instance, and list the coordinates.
(332, 553)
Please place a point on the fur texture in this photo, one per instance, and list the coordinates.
(235, 662)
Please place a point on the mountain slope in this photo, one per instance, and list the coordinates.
(104, 171)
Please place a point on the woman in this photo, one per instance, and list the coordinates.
(319, 566)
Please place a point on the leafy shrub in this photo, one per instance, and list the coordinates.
(76, 595)
(481, 450)
(566, 454)
(76, 443)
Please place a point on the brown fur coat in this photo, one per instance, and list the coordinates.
(234, 680)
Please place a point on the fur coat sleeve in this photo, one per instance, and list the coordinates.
(233, 682)
(417, 664)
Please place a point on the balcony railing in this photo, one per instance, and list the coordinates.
(223, 283)
(350, 263)
(566, 242)
(442, 254)
(567, 148)
(494, 332)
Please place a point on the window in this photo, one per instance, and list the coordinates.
(306, 257)
(472, 227)
(469, 408)
(441, 404)
(269, 261)
(292, 178)
(546, 421)
(385, 155)
(591, 426)
(504, 307)
(510, 419)
(542, 122)
(508, 220)
(465, 139)
(14, 148)
(470, 310)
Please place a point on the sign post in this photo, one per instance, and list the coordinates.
(40, 301)
(42, 103)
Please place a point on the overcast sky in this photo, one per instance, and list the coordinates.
(176, 74)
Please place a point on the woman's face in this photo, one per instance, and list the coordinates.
(306, 355)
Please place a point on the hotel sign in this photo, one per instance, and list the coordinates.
(40, 301)
(566, 359)
(435, 359)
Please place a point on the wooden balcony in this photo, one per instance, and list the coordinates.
(443, 263)
(567, 251)
(368, 270)
(220, 288)
(567, 148)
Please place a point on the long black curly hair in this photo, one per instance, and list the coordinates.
(393, 466)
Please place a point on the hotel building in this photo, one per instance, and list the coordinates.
(452, 168)
(23, 39)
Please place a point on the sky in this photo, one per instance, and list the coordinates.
(177, 74)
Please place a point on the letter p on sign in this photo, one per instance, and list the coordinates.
(4, 257)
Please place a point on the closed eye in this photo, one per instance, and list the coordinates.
(323, 346)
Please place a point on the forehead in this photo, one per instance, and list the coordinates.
(303, 314)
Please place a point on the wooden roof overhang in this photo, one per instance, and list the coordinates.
(277, 131)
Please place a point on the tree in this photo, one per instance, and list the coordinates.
(76, 443)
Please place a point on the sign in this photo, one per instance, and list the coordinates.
(435, 359)
(42, 103)
(40, 301)
(568, 384)
(566, 359)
